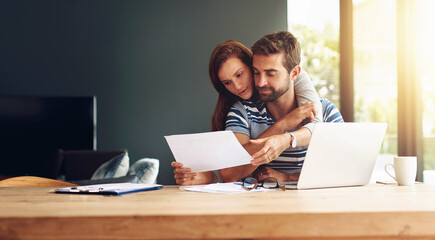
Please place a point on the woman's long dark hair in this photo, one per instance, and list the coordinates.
(226, 99)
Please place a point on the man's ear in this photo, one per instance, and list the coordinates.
(295, 72)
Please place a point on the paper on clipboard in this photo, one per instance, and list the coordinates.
(208, 151)
(109, 188)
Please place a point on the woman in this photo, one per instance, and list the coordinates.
(230, 71)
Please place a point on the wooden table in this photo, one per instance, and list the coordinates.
(373, 211)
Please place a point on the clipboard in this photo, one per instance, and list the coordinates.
(109, 189)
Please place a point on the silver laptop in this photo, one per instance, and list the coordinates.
(340, 154)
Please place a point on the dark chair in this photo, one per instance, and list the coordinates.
(85, 167)
(81, 164)
(105, 166)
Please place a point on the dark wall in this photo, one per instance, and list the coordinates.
(146, 61)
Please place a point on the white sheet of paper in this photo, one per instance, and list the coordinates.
(231, 187)
(208, 151)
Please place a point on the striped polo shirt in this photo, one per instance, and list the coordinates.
(252, 119)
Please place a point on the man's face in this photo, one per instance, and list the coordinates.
(271, 77)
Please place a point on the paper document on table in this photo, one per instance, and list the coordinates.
(208, 151)
(109, 188)
(231, 187)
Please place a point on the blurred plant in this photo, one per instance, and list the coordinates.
(320, 58)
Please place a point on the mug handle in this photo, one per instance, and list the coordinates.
(386, 170)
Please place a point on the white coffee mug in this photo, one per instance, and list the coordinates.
(405, 169)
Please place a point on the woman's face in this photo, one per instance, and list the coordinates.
(237, 78)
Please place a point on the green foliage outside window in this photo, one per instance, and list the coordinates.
(320, 59)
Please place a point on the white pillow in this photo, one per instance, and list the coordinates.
(115, 167)
(146, 170)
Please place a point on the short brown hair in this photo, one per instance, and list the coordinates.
(278, 42)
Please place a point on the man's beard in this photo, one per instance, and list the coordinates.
(274, 95)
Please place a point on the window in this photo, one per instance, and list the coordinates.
(319, 39)
(374, 64)
(387, 36)
(425, 59)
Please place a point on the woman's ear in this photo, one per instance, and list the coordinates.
(295, 72)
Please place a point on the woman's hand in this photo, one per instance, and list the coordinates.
(263, 173)
(185, 176)
(273, 146)
(299, 117)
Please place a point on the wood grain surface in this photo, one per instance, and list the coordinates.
(373, 211)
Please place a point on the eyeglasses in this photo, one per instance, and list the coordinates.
(268, 183)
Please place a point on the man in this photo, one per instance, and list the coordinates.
(276, 65)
